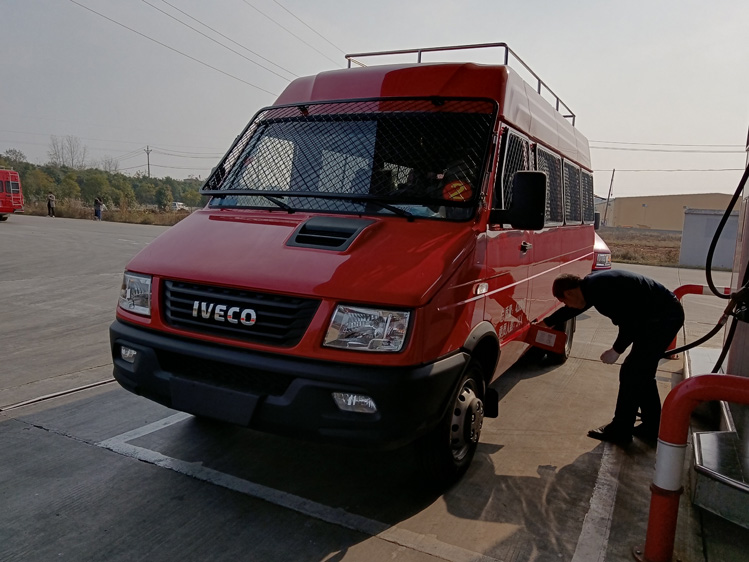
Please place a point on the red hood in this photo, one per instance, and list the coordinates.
(392, 261)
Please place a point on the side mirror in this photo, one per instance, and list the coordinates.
(528, 205)
(597, 220)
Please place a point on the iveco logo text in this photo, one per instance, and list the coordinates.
(222, 313)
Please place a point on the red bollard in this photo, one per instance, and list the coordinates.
(669, 462)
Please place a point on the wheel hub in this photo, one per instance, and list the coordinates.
(467, 420)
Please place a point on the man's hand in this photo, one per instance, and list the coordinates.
(609, 356)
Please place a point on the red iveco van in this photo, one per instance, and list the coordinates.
(11, 196)
(373, 250)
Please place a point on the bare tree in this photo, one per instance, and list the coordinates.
(15, 156)
(110, 164)
(67, 151)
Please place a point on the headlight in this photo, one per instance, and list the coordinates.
(135, 294)
(603, 260)
(367, 329)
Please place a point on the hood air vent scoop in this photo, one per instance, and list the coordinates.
(328, 233)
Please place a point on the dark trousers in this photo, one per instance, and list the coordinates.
(50, 210)
(637, 385)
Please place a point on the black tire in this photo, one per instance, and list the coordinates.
(447, 451)
(568, 328)
(3, 218)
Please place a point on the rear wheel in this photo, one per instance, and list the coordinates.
(448, 450)
(3, 218)
(569, 329)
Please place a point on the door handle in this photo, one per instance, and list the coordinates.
(525, 246)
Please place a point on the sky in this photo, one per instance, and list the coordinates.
(659, 87)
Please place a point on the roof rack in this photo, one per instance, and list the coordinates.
(540, 84)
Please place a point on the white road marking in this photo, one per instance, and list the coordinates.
(594, 536)
(335, 516)
(133, 242)
(145, 430)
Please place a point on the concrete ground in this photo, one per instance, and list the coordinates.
(101, 474)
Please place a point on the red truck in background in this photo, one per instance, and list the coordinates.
(375, 246)
(11, 196)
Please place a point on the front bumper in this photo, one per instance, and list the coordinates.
(284, 394)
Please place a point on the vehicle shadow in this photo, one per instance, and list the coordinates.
(534, 363)
(545, 511)
(386, 486)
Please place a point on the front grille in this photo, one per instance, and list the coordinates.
(278, 319)
(243, 379)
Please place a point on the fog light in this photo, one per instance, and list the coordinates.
(354, 403)
(128, 354)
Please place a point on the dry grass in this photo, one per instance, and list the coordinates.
(642, 246)
(75, 210)
(628, 245)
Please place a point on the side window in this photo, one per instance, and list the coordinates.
(552, 165)
(1, 186)
(515, 157)
(572, 209)
(586, 190)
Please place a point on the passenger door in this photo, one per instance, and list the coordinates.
(509, 252)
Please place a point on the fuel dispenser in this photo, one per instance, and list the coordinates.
(738, 355)
(732, 388)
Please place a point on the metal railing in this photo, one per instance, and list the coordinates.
(541, 86)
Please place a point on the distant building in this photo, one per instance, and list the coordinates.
(659, 212)
(700, 227)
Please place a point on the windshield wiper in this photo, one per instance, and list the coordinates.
(221, 194)
(381, 204)
(316, 194)
(281, 204)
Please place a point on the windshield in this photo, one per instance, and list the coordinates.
(415, 158)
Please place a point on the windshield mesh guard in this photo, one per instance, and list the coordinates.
(419, 157)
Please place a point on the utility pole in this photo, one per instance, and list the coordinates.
(611, 187)
(148, 159)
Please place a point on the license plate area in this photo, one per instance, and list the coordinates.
(223, 404)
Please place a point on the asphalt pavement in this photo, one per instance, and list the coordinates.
(101, 474)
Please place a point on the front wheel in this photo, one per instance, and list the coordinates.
(447, 451)
(569, 329)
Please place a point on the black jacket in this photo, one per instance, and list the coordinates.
(633, 302)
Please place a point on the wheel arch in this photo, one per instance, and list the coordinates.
(483, 345)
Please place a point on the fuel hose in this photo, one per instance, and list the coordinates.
(735, 298)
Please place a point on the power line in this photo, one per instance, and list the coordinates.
(108, 126)
(230, 39)
(180, 156)
(132, 167)
(206, 154)
(291, 33)
(214, 40)
(179, 167)
(173, 49)
(683, 151)
(310, 28)
(116, 151)
(679, 170)
(671, 144)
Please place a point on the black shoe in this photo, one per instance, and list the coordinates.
(645, 432)
(607, 433)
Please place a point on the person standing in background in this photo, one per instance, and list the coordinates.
(97, 209)
(51, 204)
